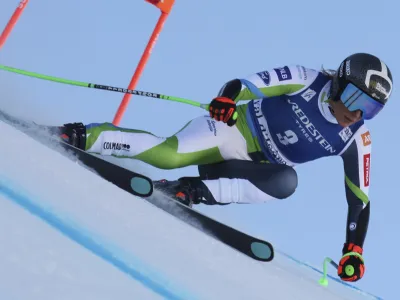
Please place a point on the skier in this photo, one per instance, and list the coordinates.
(246, 153)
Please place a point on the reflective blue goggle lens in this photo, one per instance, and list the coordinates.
(354, 98)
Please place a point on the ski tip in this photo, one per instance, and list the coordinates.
(262, 251)
(142, 186)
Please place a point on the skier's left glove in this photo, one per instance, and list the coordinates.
(351, 266)
(223, 109)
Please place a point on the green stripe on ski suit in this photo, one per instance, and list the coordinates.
(166, 156)
(357, 191)
(271, 91)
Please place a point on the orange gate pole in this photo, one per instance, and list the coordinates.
(165, 6)
(13, 20)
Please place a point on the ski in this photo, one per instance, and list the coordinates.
(251, 246)
(139, 185)
(135, 183)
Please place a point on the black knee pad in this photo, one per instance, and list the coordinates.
(281, 184)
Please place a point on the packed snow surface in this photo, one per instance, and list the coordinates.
(65, 233)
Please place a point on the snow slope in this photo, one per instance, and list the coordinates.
(65, 233)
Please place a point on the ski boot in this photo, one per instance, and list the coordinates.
(73, 134)
(186, 190)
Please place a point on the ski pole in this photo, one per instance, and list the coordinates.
(106, 87)
(349, 270)
(324, 279)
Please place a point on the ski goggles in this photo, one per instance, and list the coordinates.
(354, 98)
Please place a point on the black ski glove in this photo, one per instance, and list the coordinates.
(223, 109)
(351, 266)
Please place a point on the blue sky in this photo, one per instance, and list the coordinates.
(203, 45)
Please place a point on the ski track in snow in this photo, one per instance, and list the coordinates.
(65, 233)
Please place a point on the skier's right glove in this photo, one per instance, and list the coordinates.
(223, 109)
(351, 266)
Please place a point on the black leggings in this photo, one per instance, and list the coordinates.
(278, 181)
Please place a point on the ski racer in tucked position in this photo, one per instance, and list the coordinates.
(246, 153)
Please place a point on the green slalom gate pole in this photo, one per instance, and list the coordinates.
(106, 87)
